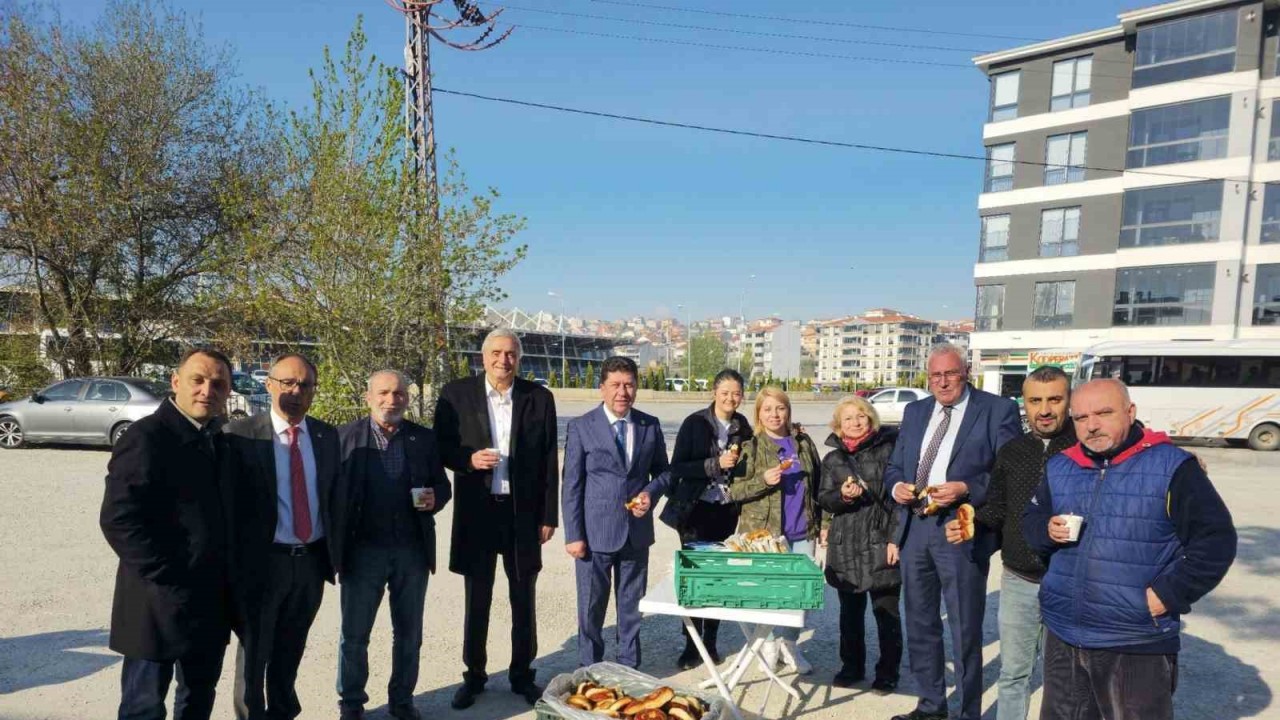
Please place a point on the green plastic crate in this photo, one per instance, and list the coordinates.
(767, 581)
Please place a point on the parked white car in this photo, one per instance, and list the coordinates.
(890, 403)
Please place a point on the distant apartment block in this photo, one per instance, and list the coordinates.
(1132, 186)
(774, 347)
(879, 347)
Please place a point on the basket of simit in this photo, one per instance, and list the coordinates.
(755, 580)
(608, 690)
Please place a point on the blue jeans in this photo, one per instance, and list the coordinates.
(799, 547)
(370, 568)
(1021, 635)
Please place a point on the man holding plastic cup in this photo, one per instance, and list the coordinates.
(1134, 533)
(391, 486)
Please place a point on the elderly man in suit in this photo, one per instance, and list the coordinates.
(166, 515)
(384, 538)
(497, 433)
(615, 468)
(946, 447)
(284, 466)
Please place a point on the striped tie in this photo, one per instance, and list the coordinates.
(931, 454)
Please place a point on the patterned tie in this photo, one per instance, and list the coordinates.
(931, 454)
(620, 438)
(298, 486)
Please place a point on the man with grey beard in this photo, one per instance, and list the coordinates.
(391, 486)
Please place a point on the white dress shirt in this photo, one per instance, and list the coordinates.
(284, 486)
(938, 473)
(631, 430)
(500, 431)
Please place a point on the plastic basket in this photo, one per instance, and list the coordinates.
(543, 711)
(765, 581)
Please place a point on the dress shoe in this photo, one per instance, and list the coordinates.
(405, 712)
(847, 678)
(689, 659)
(465, 696)
(921, 715)
(349, 712)
(529, 691)
(882, 686)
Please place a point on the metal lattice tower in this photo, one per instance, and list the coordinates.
(422, 23)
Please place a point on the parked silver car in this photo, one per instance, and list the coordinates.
(891, 402)
(83, 411)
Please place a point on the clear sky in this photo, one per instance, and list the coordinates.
(631, 219)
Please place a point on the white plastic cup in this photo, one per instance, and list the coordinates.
(1074, 523)
(420, 497)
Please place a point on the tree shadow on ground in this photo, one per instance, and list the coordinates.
(1212, 684)
(52, 658)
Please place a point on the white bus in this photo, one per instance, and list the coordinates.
(1224, 389)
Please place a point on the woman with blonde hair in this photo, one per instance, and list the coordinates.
(777, 489)
(862, 560)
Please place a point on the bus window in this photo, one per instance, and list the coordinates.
(1138, 371)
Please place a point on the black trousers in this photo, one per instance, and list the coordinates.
(1082, 684)
(853, 626)
(521, 592)
(708, 522)
(277, 620)
(144, 684)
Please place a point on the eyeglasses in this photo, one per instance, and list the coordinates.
(949, 375)
(290, 384)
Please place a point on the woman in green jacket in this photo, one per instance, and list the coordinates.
(778, 490)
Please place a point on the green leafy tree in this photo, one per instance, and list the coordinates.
(133, 166)
(589, 377)
(359, 251)
(707, 355)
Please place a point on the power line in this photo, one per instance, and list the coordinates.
(829, 143)
(806, 21)
(783, 36)
(826, 56)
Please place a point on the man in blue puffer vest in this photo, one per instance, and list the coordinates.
(1156, 538)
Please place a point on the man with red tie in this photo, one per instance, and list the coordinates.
(283, 466)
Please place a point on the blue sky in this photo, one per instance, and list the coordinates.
(631, 219)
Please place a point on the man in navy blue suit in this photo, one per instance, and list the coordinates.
(615, 468)
(947, 445)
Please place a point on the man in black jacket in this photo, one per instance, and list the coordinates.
(166, 515)
(384, 539)
(497, 434)
(1018, 471)
(284, 466)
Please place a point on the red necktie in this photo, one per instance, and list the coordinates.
(298, 484)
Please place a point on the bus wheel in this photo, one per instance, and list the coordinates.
(1265, 437)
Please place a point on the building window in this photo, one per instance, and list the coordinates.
(1055, 304)
(1189, 48)
(1071, 83)
(1060, 232)
(1064, 158)
(1004, 96)
(1164, 295)
(1271, 214)
(990, 313)
(1266, 304)
(1171, 215)
(1273, 141)
(995, 239)
(1179, 133)
(1000, 160)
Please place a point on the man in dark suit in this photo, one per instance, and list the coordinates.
(615, 468)
(384, 538)
(284, 466)
(166, 515)
(946, 446)
(497, 434)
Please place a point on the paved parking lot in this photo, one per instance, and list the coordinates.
(58, 575)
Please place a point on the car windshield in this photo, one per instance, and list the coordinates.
(246, 385)
(153, 387)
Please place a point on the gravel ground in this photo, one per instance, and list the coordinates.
(58, 577)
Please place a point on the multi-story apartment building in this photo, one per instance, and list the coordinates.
(775, 348)
(1132, 187)
(880, 347)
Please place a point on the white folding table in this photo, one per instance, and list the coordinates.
(755, 624)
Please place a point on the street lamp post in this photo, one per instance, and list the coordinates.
(688, 343)
(742, 320)
(563, 371)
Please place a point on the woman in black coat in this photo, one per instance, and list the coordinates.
(861, 557)
(707, 449)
